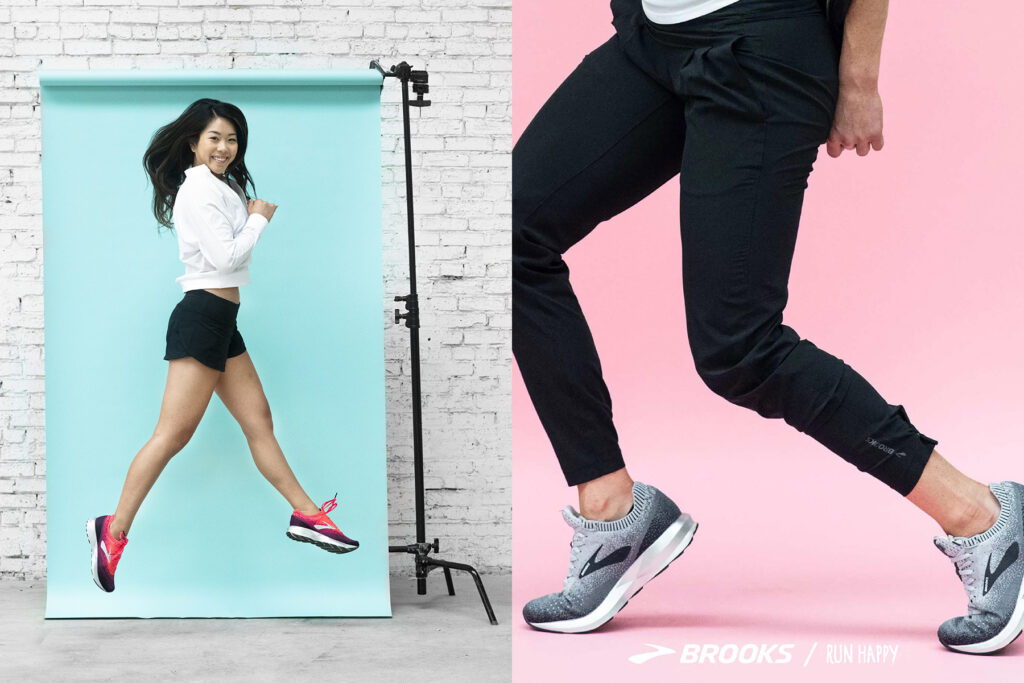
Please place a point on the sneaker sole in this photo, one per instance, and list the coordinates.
(90, 532)
(653, 561)
(329, 544)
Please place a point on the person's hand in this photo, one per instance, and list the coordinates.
(858, 121)
(265, 209)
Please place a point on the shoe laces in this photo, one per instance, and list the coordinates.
(325, 509)
(575, 550)
(964, 565)
(114, 546)
(329, 505)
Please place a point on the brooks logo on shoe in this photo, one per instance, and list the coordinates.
(321, 526)
(1009, 557)
(593, 565)
(103, 547)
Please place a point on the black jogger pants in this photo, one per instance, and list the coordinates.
(737, 102)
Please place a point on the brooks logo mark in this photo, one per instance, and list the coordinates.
(593, 565)
(1009, 557)
(321, 526)
(874, 443)
(103, 547)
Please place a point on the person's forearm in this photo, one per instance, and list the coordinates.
(862, 43)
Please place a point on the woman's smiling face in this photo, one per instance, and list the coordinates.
(217, 146)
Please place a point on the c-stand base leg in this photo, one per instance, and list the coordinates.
(433, 563)
(425, 564)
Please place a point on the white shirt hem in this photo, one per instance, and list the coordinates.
(660, 16)
(213, 280)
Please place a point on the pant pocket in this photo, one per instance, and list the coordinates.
(737, 53)
(794, 66)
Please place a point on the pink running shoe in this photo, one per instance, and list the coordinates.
(106, 551)
(320, 530)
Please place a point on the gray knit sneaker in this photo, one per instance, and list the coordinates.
(991, 566)
(609, 562)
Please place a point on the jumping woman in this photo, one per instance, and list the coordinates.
(197, 167)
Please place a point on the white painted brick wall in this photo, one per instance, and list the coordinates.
(462, 170)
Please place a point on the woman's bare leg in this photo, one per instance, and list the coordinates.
(242, 393)
(188, 391)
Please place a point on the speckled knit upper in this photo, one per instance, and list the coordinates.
(991, 566)
(617, 543)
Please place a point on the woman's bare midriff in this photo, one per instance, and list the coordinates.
(229, 293)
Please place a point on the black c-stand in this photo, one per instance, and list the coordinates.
(421, 549)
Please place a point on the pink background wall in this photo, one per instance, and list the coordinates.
(908, 267)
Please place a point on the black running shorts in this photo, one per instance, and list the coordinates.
(202, 326)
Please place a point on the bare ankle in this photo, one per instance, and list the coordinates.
(977, 515)
(607, 498)
(116, 527)
(606, 509)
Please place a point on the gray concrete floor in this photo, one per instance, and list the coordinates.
(431, 637)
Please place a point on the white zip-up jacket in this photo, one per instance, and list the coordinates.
(216, 233)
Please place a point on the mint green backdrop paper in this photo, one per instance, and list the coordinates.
(209, 540)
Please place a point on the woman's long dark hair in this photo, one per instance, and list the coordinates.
(169, 153)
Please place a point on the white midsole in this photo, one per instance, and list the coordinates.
(314, 536)
(1004, 637)
(666, 548)
(90, 528)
